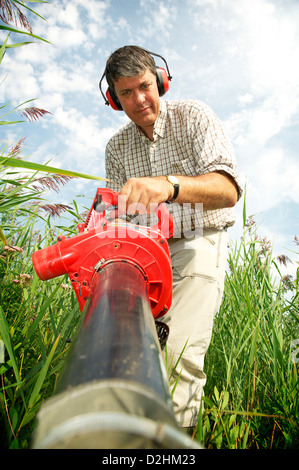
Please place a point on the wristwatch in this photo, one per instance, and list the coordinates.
(175, 183)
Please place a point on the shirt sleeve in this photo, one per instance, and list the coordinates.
(213, 150)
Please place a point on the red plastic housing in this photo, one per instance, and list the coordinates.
(101, 242)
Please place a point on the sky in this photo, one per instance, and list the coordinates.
(239, 57)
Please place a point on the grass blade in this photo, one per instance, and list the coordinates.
(14, 30)
(12, 162)
(5, 335)
(42, 375)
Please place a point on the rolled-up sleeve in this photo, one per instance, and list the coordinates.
(213, 151)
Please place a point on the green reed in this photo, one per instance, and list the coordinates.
(251, 397)
(37, 320)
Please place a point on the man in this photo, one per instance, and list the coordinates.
(184, 140)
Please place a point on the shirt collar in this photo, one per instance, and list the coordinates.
(160, 124)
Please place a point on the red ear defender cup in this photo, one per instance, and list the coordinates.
(162, 81)
(113, 100)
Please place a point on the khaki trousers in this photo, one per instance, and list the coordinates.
(198, 281)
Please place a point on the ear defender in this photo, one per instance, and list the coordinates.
(163, 79)
(113, 100)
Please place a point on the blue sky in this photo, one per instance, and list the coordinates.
(239, 57)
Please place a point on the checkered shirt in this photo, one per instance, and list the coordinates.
(188, 140)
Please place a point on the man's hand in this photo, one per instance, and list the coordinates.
(143, 195)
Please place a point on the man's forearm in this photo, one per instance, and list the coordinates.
(214, 190)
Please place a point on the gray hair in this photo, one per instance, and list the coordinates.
(128, 61)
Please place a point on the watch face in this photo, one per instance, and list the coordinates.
(173, 179)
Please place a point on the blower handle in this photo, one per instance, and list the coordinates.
(106, 198)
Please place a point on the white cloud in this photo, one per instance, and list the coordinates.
(272, 45)
(21, 83)
(158, 17)
(80, 142)
(66, 37)
(82, 129)
(276, 179)
(69, 24)
(75, 77)
(269, 167)
(257, 40)
(266, 121)
(245, 99)
(69, 15)
(249, 58)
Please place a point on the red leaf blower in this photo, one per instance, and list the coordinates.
(102, 242)
(114, 391)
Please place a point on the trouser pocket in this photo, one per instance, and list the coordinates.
(200, 256)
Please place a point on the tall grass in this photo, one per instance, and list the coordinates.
(252, 393)
(251, 397)
(37, 319)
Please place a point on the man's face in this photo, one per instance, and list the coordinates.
(139, 98)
